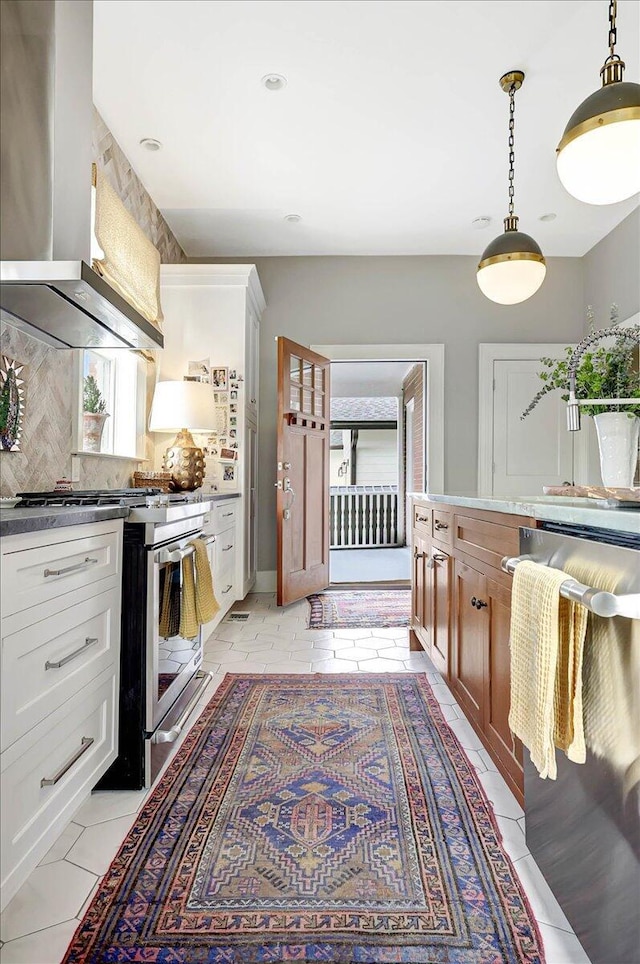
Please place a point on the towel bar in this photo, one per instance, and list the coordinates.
(595, 600)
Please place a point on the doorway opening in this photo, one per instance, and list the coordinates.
(377, 455)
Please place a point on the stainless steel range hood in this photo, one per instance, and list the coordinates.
(47, 286)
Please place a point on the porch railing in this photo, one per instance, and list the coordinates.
(364, 516)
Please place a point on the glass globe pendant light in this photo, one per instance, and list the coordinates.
(512, 267)
(598, 157)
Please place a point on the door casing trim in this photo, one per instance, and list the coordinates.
(433, 355)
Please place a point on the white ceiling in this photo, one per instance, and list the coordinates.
(368, 379)
(390, 137)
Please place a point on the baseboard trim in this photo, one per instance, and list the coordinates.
(266, 580)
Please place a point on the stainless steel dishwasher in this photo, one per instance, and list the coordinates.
(583, 829)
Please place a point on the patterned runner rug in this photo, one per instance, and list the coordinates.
(358, 610)
(314, 818)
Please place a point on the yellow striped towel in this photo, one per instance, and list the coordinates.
(539, 619)
(568, 731)
(189, 624)
(206, 603)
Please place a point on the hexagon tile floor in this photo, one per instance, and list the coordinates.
(39, 922)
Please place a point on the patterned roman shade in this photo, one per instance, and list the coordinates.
(129, 262)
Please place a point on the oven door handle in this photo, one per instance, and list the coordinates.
(176, 553)
(170, 736)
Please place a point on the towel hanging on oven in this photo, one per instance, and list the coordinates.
(169, 622)
(206, 603)
(198, 603)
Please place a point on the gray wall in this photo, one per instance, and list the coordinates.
(385, 300)
(612, 272)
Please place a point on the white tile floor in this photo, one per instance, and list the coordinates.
(39, 922)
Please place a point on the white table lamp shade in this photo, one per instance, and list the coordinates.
(178, 405)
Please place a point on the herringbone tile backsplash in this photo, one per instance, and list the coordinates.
(46, 441)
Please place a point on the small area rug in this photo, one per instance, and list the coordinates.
(313, 818)
(359, 610)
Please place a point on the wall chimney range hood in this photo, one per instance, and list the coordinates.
(47, 286)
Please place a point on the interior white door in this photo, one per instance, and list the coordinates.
(533, 452)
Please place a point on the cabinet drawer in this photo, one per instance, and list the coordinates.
(71, 749)
(223, 515)
(442, 525)
(487, 541)
(422, 519)
(36, 575)
(51, 661)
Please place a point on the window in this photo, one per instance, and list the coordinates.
(111, 402)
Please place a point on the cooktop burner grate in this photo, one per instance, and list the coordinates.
(130, 497)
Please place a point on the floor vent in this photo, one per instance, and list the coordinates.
(237, 617)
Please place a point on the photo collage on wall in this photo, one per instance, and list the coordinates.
(220, 445)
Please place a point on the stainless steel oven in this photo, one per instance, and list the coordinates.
(171, 659)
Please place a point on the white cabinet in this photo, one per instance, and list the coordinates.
(60, 662)
(213, 311)
(222, 523)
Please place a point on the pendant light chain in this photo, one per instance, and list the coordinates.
(512, 156)
(613, 33)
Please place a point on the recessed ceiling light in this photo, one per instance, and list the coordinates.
(274, 81)
(480, 223)
(151, 144)
(293, 218)
(548, 217)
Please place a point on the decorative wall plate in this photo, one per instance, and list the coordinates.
(11, 404)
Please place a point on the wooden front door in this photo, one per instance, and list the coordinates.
(303, 472)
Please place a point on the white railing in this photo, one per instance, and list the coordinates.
(364, 516)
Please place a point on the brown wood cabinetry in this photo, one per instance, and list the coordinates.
(461, 616)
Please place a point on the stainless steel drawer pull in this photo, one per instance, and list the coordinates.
(225, 515)
(87, 741)
(226, 548)
(421, 518)
(57, 663)
(441, 525)
(437, 557)
(228, 589)
(63, 572)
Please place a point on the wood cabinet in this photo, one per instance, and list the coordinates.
(213, 311)
(431, 607)
(60, 665)
(461, 616)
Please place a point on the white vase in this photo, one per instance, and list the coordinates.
(92, 429)
(618, 444)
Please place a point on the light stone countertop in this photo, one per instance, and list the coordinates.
(579, 512)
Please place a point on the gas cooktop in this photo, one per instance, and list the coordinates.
(128, 497)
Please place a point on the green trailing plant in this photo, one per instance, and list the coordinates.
(93, 401)
(604, 373)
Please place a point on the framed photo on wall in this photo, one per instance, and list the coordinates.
(220, 379)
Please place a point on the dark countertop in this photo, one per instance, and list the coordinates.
(13, 521)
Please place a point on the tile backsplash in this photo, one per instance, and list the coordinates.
(46, 441)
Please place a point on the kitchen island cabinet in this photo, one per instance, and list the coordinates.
(461, 599)
(461, 614)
